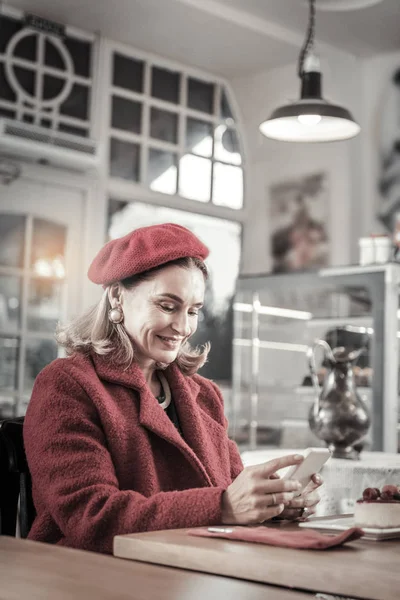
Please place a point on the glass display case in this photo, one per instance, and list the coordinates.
(277, 318)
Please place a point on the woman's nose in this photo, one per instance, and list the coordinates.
(181, 324)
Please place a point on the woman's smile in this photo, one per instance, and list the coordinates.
(172, 343)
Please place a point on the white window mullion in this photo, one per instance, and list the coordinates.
(217, 102)
(182, 124)
(39, 88)
(144, 150)
(24, 311)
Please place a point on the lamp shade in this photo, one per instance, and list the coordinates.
(310, 121)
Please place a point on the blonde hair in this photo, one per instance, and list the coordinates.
(94, 332)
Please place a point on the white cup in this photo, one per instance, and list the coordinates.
(383, 249)
(367, 251)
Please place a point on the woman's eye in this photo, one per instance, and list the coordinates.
(194, 313)
(167, 307)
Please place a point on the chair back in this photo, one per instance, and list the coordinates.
(15, 480)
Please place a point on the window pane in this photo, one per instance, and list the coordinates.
(128, 73)
(8, 28)
(201, 95)
(228, 186)
(26, 48)
(164, 125)
(77, 103)
(10, 114)
(195, 178)
(126, 115)
(10, 302)
(44, 304)
(71, 129)
(52, 57)
(7, 406)
(52, 87)
(162, 171)
(215, 319)
(225, 109)
(124, 159)
(48, 248)
(165, 84)
(80, 52)
(39, 353)
(9, 350)
(27, 79)
(227, 145)
(6, 92)
(12, 240)
(199, 136)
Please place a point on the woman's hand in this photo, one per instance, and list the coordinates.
(257, 494)
(308, 499)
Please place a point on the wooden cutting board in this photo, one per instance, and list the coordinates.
(361, 569)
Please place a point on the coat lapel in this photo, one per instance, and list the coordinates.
(153, 417)
(199, 429)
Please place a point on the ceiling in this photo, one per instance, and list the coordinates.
(228, 37)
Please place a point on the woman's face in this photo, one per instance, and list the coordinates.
(161, 314)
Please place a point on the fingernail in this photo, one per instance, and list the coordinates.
(280, 507)
(317, 478)
(298, 457)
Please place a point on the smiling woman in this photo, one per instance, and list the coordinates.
(123, 435)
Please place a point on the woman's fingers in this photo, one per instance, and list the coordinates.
(315, 482)
(270, 467)
(275, 486)
(307, 501)
(269, 513)
(294, 513)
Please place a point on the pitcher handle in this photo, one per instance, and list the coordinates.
(313, 368)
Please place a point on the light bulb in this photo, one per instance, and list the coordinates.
(309, 119)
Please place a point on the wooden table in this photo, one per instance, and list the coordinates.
(34, 571)
(361, 569)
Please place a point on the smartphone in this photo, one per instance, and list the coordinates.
(314, 460)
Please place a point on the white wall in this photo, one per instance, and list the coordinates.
(382, 105)
(271, 162)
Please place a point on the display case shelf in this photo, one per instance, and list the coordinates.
(277, 317)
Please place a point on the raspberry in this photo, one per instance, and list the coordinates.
(389, 492)
(371, 494)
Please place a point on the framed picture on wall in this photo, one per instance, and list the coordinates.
(298, 220)
(223, 238)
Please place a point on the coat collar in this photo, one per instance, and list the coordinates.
(152, 417)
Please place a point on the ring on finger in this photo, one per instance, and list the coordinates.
(304, 512)
(273, 499)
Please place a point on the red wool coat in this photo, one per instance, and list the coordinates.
(105, 459)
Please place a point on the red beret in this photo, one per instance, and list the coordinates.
(143, 249)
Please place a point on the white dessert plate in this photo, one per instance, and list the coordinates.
(341, 523)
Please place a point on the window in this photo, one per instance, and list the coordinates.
(215, 321)
(32, 289)
(174, 133)
(45, 80)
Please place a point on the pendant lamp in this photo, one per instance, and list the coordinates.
(310, 119)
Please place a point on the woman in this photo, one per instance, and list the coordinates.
(123, 435)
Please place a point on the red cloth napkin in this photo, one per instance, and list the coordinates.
(312, 540)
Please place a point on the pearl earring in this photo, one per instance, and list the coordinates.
(115, 315)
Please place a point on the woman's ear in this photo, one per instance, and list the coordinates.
(115, 294)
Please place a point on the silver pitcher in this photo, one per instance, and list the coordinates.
(338, 416)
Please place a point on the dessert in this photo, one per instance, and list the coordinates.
(378, 509)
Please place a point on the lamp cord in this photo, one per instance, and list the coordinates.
(309, 41)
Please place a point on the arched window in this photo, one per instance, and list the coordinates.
(173, 131)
